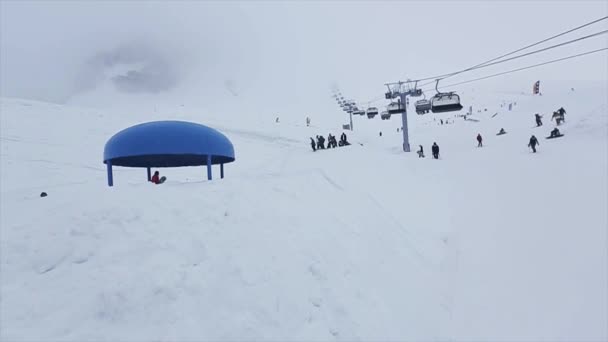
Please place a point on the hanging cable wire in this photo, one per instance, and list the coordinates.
(442, 77)
(525, 68)
(511, 53)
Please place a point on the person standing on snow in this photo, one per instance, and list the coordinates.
(435, 150)
(539, 122)
(320, 142)
(420, 152)
(533, 142)
(562, 113)
(479, 139)
(313, 144)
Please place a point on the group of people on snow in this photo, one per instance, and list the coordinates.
(558, 115)
(319, 144)
(434, 151)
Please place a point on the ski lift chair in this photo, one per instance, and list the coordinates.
(395, 108)
(445, 102)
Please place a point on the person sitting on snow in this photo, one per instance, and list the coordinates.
(555, 133)
(156, 179)
(502, 131)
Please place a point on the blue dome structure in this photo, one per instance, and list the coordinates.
(168, 144)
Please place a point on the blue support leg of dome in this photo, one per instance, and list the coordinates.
(209, 167)
(110, 178)
(222, 171)
(149, 175)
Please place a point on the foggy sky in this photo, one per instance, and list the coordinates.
(278, 52)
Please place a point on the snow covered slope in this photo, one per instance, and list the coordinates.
(358, 243)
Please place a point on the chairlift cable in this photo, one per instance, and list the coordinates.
(518, 50)
(441, 77)
(527, 67)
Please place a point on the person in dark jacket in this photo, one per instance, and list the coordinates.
(479, 139)
(343, 141)
(320, 142)
(539, 122)
(435, 150)
(562, 113)
(331, 141)
(555, 133)
(313, 144)
(533, 142)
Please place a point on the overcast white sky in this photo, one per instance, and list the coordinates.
(282, 50)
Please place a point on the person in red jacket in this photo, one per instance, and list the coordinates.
(155, 178)
(479, 144)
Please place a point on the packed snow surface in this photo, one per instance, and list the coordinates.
(363, 242)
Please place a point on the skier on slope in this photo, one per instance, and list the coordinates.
(479, 139)
(533, 142)
(435, 150)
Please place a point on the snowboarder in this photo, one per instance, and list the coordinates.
(501, 132)
(441, 121)
(555, 133)
(312, 144)
(420, 152)
(380, 133)
(479, 144)
(533, 142)
(539, 122)
(435, 150)
(307, 121)
(277, 120)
